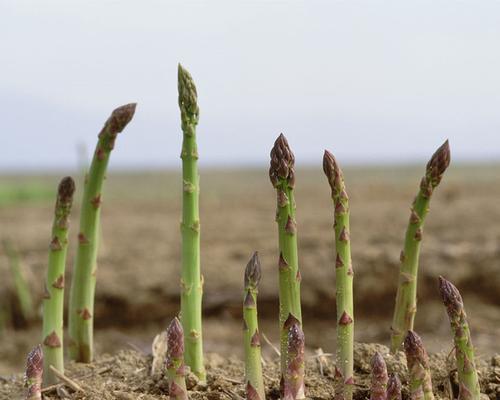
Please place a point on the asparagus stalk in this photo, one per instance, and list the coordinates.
(251, 337)
(406, 297)
(191, 279)
(293, 382)
(464, 350)
(394, 387)
(53, 303)
(343, 274)
(81, 308)
(282, 176)
(34, 373)
(379, 378)
(418, 366)
(176, 371)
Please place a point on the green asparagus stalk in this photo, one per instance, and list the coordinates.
(251, 337)
(418, 366)
(406, 297)
(464, 350)
(34, 373)
(53, 303)
(293, 382)
(282, 176)
(176, 371)
(343, 274)
(378, 390)
(81, 308)
(191, 279)
(394, 387)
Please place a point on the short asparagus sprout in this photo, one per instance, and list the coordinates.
(176, 371)
(378, 390)
(81, 308)
(418, 366)
(293, 381)
(34, 373)
(282, 176)
(53, 303)
(406, 297)
(394, 387)
(253, 366)
(464, 350)
(344, 276)
(191, 279)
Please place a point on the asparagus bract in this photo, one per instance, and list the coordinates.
(282, 176)
(394, 387)
(53, 303)
(418, 366)
(378, 390)
(253, 365)
(343, 275)
(464, 350)
(293, 381)
(191, 279)
(34, 373)
(176, 371)
(81, 308)
(406, 297)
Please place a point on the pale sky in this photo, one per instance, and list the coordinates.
(373, 81)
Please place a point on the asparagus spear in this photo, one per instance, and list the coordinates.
(343, 274)
(464, 350)
(418, 366)
(379, 378)
(406, 298)
(191, 279)
(53, 303)
(282, 176)
(253, 365)
(34, 373)
(293, 381)
(176, 371)
(394, 387)
(81, 308)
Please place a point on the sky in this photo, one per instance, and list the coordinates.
(373, 81)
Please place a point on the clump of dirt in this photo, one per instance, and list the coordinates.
(127, 376)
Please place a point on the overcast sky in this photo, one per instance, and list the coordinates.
(373, 81)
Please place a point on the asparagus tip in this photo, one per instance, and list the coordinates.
(34, 373)
(253, 271)
(333, 172)
(394, 387)
(296, 338)
(175, 339)
(188, 96)
(414, 347)
(66, 189)
(119, 118)
(439, 162)
(282, 162)
(378, 364)
(450, 295)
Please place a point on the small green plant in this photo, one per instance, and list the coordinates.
(378, 389)
(53, 303)
(176, 371)
(418, 367)
(34, 373)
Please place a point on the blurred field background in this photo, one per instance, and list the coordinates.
(139, 260)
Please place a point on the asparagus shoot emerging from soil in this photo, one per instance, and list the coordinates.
(81, 308)
(282, 176)
(464, 350)
(253, 365)
(53, 303)
(176, 371)
(293, 381)
(394, 387)
(34, 373)
(191, 279)
(406, 297)
(378, 390)
(343, 274)
(418, 367)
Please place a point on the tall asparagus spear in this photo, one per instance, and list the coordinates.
(34, 373)
(464, 350)
(378, 390)
(191, 279)
(406, 297)
(293, 381)
(282, 176)
(176, 371)
(418, 366)
(394, 387)
(81, 308)
(53, 303)
(251, 337)
(343, 274)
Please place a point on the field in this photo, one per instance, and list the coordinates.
(139, 260)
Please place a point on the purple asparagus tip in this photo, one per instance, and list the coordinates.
(451, 296)
(414, 349)
(175, 339)
(34, 373)
(119, 118)
(66, 189)
(379, 378)
(438, 163)
(332, 171)
(394, 387)
(253, 272)
(282, 162)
